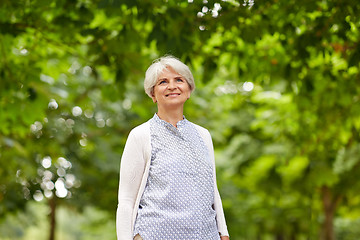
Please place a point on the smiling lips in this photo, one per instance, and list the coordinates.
(172, 94)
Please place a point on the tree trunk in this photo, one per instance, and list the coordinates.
(279, 236)
(329, 207)
(52, 216)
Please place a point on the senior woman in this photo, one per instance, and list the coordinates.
(167, 187)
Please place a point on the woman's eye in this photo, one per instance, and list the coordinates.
(162, 82)
(180, 80)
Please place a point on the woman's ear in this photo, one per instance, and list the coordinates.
(153, 95)
(153, 98)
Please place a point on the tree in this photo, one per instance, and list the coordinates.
(278, 86)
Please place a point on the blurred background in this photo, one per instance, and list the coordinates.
(278, 87)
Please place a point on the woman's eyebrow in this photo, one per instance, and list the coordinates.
(165, 78)
(161, 79)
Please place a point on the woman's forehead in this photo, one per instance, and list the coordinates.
(166, 70)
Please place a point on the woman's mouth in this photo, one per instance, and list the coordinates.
(172, 94)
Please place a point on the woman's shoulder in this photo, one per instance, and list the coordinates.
(141, 130)
(203, 131)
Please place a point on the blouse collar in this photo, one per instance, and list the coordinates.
(179, 124)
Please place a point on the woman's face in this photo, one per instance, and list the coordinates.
(171, 89)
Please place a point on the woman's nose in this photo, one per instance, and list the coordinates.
(172, 85)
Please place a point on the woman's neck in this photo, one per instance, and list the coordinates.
(172, 116)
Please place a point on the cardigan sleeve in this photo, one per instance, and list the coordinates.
(132, 167)
(220, 216)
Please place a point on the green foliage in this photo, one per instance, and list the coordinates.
(32, 224)
(277, 86)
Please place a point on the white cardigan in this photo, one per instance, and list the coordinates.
(134, 171)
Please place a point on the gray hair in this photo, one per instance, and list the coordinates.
(158, 66)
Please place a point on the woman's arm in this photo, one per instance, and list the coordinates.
(131, 172)
(220, 217)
